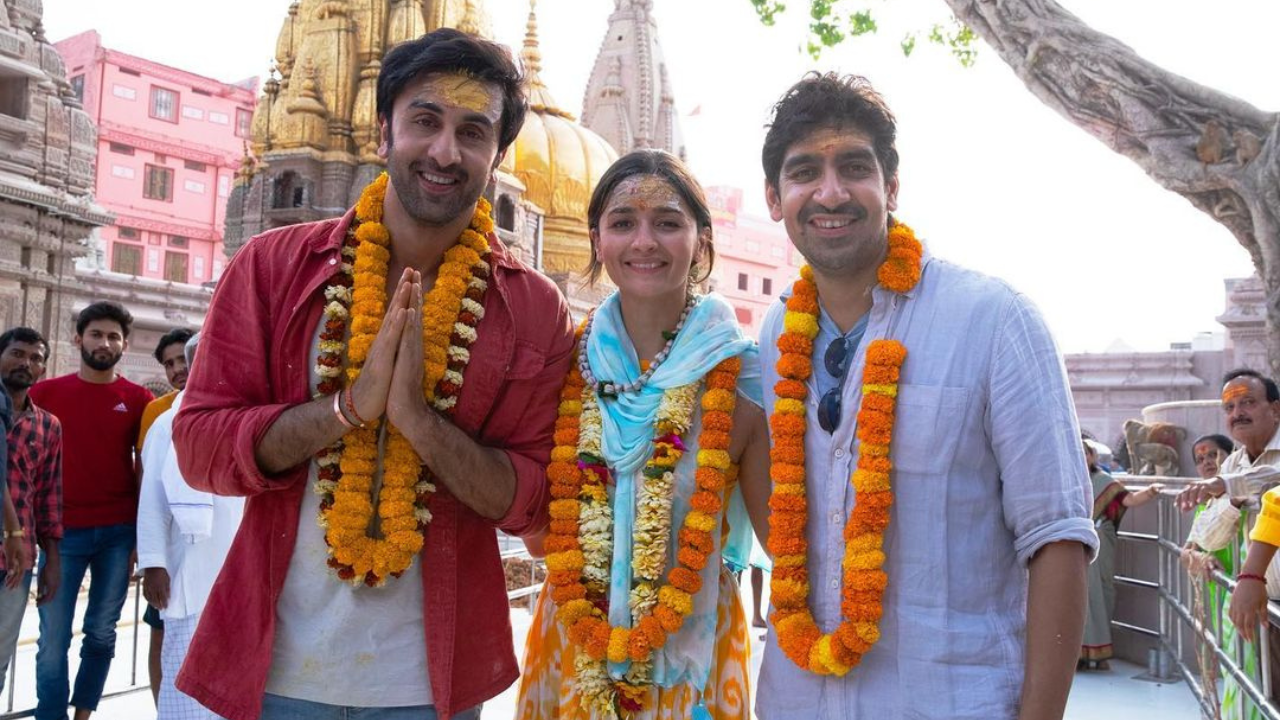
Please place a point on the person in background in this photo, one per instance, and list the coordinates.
(1110, 502)
(170, 354)
(183, 538)
(100, 412)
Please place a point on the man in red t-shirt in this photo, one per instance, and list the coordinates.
(100, 414)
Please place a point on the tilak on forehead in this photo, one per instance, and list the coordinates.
(646, 192)
(464, 91)
(1234, 390)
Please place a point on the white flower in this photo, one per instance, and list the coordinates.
(473, 307)
(468, 334)
(444, 403)
(453, 376)
(325, 371)
(422, 515)
(340, 293)
(459, 354)
(335, 309)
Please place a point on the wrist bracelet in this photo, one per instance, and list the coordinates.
(337, 412)
(15, 533)
(1251, 576)
(349, 403)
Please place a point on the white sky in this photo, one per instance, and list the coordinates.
(990, 177)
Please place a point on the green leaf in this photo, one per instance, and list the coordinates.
(768, 10)
(908, 44)
(861, 23)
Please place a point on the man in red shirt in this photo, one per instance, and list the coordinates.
(293, 627)
(100, 413)
(34, 480)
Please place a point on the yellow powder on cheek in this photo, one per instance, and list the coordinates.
(467, 93)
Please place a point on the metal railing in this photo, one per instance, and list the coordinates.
(1180, 615)
(133, 686)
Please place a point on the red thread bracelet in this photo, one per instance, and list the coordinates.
(349, 403)
(1251, 576)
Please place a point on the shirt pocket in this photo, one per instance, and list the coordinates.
(927, 428)
(518, 386)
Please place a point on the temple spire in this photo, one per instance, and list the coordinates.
(540, 98)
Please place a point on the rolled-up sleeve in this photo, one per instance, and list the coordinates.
(1045, 490)
(529, 448)
(228, 405)
(1216, 526)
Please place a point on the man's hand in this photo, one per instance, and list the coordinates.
(1200, 492)
(1249, 607)
(155, 587)
(369, 392)
(1199, 564)
(15, 559)
(405, 402)
(49, 579)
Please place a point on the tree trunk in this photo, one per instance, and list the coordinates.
(1163, 122)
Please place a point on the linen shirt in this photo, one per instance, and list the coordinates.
(192, 564)
(988, 468)
(35, 476)
(1246, 479)
(255, 344)
(1218, 526)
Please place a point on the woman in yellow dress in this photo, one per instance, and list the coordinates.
(640, 618)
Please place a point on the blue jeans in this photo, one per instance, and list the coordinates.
(104, 551)
(275, 707)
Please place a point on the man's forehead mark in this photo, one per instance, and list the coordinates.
(1234, 390)
(462, 90)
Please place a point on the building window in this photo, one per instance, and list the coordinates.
(194, 166)
(177, 241)
(219, 118)
(194, 113)
(126, 259)
(244, 119)
(77, 87)
(159, 183)
(122, 171)
(743, 281)
(13, 97)
(766, 286)
(120, 148)
(130, 71)
(164, 104)
(193, 186)
(124, 92)
(175, 267)
(198, 91)
(127, 233)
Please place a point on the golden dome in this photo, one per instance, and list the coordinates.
(559, 162)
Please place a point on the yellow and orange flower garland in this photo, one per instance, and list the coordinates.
(580, 547)
(799, 636)
(451, 312)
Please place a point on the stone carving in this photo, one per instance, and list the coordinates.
(1153, 448)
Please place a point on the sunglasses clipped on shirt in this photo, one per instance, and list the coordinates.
(837, 359)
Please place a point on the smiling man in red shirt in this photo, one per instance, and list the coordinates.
(311, 621)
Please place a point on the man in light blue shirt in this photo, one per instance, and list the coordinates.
(989, 534)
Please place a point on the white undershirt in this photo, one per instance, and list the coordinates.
(340, 645)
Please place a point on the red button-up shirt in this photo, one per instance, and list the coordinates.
(35, 476)
(254, 351)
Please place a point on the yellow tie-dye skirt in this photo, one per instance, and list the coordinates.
(548, 690)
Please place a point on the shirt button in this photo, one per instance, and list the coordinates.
(333, 261)
(839, 452)
(835, 517)
(835, 584)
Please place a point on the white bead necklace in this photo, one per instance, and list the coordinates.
(606, 388)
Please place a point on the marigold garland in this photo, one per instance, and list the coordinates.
(452, 311)
(837, 652)
(580, 547)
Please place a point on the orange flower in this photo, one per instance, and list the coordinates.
(714, 440)
(692, 558)
(886, 352)
(787, 425)
(793, 344)
(706, 502)
(697, 539)
(685, 579)
(720, 422)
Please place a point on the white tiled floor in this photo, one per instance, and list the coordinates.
(1114, 694)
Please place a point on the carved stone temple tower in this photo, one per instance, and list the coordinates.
(629, 99)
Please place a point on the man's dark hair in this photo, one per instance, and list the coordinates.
(23, 335)
(829, 100)
(1222, 441)
(452, 51)
(176, 335)
(1273, 391)
(104, 310)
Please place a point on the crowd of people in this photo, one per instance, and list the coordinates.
(371, 396)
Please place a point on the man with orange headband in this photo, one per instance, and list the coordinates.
(1251, 402)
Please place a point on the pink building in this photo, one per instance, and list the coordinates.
(169, 145)
(754, 259)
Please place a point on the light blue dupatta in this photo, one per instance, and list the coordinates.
(710, 335)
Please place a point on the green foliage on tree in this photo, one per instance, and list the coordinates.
(831, 22)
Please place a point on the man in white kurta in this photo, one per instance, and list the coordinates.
(183, 538)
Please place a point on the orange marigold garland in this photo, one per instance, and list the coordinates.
(837, 652)
(451, 310)
(580, 546)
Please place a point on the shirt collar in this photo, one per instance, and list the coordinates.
(332, 242)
